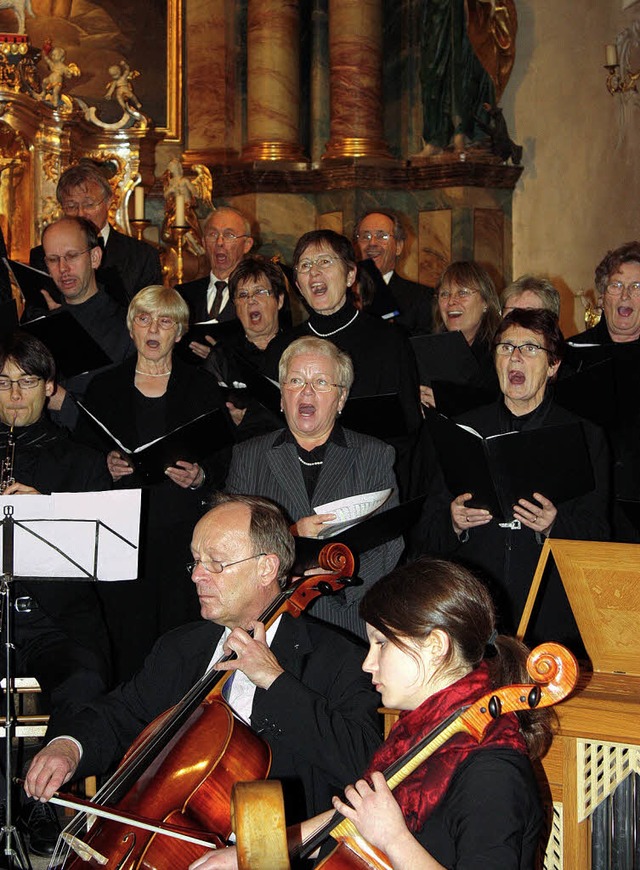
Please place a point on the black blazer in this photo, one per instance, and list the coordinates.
(319, 717)
(415, 303)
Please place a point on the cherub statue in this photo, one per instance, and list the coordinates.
(121, 88)
(60, 70)
(175, 182)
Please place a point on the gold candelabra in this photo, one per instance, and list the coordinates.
(619, 84)
(139, 226)
(179, 231)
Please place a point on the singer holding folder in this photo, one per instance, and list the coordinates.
(142, 399)
(315, 460)
(528, 349)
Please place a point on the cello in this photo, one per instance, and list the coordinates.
(180, 770)
(554, 671)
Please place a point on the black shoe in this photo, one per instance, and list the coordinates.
(41, 825)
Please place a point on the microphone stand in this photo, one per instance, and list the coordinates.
(14, 848)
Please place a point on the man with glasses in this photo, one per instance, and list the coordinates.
(60, 636)
(127, 264)
(227, 238)
(298, 683)
(72, 254)
(380, 237)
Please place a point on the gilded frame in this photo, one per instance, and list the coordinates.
(173, 129)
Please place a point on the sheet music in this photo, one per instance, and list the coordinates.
(86, 527)
(350, 510)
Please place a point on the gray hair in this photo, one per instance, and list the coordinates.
(542, 287)
(311, 344)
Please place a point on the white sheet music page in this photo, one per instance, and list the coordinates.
(350, 511)
(72, 534)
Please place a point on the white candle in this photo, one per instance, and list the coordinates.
(611, 53)
(138, 204)
(179, 209)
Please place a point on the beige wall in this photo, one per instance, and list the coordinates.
(578, 195)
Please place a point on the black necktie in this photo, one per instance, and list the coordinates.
(217, 302)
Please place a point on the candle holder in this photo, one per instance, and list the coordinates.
(617, 84)
(179, 231)
(139, 226)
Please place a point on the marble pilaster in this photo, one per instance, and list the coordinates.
(273, 81)
(355, 57)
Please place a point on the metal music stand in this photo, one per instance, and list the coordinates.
(14, 849)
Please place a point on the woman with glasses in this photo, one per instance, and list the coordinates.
(466, 301)
(324, 264)
(315, 460)
(528, 349)
(259, 294)
(140, 400)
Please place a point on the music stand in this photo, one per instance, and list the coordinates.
(14, 849)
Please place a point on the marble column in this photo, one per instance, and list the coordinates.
(355, 58)
(273, 81)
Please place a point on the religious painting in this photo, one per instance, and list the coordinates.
(105, 37)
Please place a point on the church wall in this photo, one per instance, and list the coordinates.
(577, 196)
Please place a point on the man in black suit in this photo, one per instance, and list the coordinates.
(227, 238)
(380, 236)
(299, 684)
(127, 264)
(72, 256)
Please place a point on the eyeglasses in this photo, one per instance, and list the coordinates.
(227, 235)
(324, 261)
(615, 288)
(145, 319)
(259, 293)
(215, 567)
(461, 293)
(68, 259)
(73, 208)
(378, 235)
(505, 348)
(26, 382)
(318, 384)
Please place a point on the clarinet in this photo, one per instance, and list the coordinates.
(6, 471)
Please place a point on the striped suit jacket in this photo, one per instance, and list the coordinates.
(364, 465)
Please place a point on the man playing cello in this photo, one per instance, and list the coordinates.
(299, 684)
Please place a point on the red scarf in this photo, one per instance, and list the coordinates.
(420, 793)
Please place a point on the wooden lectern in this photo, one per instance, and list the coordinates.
(598, 742)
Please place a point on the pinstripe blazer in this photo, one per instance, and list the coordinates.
(364, 465)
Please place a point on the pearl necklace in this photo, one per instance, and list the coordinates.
(339, 329)
(149, 375)
(310, 464)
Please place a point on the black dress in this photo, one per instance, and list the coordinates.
(163, 596)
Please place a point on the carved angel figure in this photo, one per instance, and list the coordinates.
(194, 190)
(120, 87)
(59, 71)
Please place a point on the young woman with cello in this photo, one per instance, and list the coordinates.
(433, 650)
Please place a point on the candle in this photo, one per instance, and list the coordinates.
(611, 53)
(179, 209)
(138, 204)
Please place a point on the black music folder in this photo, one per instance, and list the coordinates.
(8, 318)
(373, 531)
(444, 356)
(379, 416)
(216, 329)
(71, 346)
(31, 281)
(600, 382)
(191, 442)
(501, 469)
(455, 399)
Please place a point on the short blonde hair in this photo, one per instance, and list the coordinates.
(311, 344)
(162, 302)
